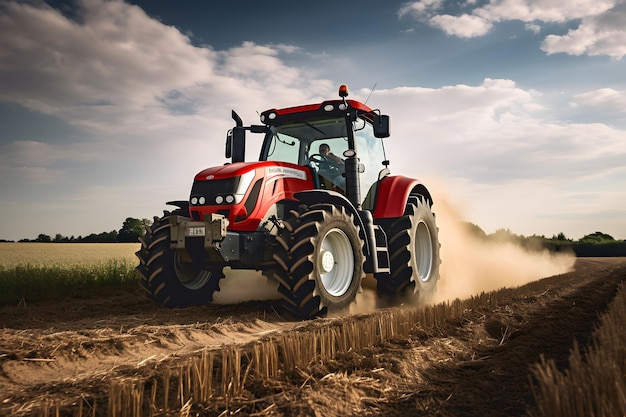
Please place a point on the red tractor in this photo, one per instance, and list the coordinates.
(311, 221)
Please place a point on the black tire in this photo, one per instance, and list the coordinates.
(413, 254)
(164, 276)
(320, 260)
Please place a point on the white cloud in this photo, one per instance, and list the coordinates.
(116, 69)
(602, 30)
(602, 34)
(31, 153)
(605, 99)
(542, 10)
(258, 62)
(420, 8)
(464, 26)
(53, 64)
(524, 10)
(29, 164)
(533, 27)
(493, 133)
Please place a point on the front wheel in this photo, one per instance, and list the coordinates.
(320, 260)
(413, 254)
(168, 279)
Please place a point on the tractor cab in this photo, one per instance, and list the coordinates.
(338, 140)
(323, 146)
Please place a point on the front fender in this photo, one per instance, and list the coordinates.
(311, 197)
(393, 194)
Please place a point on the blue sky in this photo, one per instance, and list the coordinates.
(514, 111)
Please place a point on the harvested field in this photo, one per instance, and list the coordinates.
(66, 254)
(124, 356)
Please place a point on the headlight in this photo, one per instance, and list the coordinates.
(242, 187)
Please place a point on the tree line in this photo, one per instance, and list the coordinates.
(132, 229)
(593, 244)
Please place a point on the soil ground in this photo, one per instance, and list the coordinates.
(479, 365)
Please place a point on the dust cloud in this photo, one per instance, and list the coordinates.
(471, 265)
(245, 285)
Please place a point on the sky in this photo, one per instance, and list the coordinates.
(513, 111)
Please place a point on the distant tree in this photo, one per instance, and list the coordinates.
(43, 238)
(597, 237)
(104, 237)
(90, 238)
(475, 230)
(504, 235)
(561, 236)
(112, 236)
(132, 229)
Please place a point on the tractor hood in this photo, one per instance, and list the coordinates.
(230, 170)
(268, 169)
(238, 189)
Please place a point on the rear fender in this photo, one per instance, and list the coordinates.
(393, 194)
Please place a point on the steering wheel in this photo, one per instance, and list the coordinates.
(318, 158)
(323, 162)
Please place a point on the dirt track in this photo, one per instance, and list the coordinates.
(477, 365)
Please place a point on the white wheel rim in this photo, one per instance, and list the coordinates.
(190, 278)
(423, 251)
(336, 262)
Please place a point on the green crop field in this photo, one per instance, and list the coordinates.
(33, 272)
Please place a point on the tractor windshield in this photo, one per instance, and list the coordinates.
(293, 142)
(306, 143)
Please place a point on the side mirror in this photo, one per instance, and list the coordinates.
(229, 144)
(381, 126)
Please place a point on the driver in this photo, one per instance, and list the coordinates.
(338, 180)
(325, 151)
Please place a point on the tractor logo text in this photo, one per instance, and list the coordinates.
(287, 172)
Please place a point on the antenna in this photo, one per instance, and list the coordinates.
(370, 94)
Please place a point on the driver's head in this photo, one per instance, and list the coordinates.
(324, 149)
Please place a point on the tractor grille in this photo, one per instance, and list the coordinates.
(213, 188)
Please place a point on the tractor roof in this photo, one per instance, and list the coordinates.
(323, 110)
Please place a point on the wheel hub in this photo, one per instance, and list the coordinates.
(328, 261)
(190, 276)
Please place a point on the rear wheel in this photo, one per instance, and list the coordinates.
(414, 255)
(168, 279)
(321, 261)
